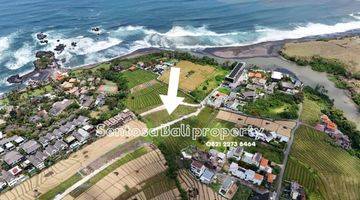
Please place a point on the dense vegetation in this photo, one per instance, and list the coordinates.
(276, 106)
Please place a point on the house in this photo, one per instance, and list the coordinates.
(197, 168)
(287, 85)
(86, 101)
(10, 179)
(43, 141)
(264, 165)
(60, 106)
(248, 95)
(60, 145)
(9, 146)
(50, 150)
(295, 187)
(81, 135)
(228, 188)
(100, 100)
(2, 183)
(247, 157)
(30, 146)
(15, 170)
(13, 157)
(258, 178)
(237, 171)
(249, 175)
(271, 178)
(276, 76)
(236, 152)
(52, 136)
(235, 73)
(18, 140)
(207, 176)
(256, 159)
(36, 162)
(41, 156)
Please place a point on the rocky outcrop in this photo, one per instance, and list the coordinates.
(41, 36)
(15, 79)
(60, 48)
(44, 60)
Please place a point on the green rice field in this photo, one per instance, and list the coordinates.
(138, 77)
(149, 98)
(323, 168)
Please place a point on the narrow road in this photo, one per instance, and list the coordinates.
(162, 107)
(286, 155)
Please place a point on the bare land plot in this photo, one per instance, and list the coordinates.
(346, 50)
(191, 75)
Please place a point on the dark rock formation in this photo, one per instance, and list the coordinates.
(15, 79)
(60, 48)
(41, 54)
(95, 29)
(74, 44)
(41, 36)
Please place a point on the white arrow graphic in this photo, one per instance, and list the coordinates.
(171, 101)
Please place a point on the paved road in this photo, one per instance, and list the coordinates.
(286, 155)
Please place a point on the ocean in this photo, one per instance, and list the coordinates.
(129, 25)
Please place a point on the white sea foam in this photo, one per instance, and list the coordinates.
(21, 57)
(201, 37)
(355, 15)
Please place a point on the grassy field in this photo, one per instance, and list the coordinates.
(315, 161)
(36, 92)
(311, 111)
(191, 75)
(138, 77)
(61, 187)
(345, 50)
(162, 117)
(149, 98)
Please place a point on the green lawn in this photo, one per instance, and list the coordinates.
(224, 90)
(274, 106)
(149, 98)
(314, 161)
(61, 187)
(138, 77)
(36, 92)
(162, 117)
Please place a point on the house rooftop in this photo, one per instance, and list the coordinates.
(30, 146)
(12, 157)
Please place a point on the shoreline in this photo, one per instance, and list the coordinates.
(269, 48)
(259, 50)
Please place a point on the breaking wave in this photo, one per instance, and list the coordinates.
(355, 15)
(21, 57)
(126, 39)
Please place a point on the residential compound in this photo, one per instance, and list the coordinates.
(57, 124)
(235, 165)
